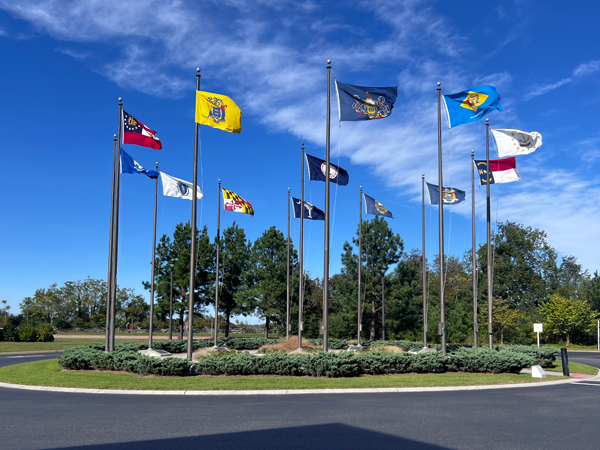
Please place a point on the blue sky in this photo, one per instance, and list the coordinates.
(65, 63)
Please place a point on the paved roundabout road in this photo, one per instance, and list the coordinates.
(548, 417)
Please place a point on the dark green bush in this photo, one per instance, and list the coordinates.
(28, 333)
(10, 334)
(543, 356)
(335, 344)
(484, 360)
(44, 333)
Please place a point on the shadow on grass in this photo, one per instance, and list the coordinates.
(328, 436)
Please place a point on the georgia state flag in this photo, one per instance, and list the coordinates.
(135, 132)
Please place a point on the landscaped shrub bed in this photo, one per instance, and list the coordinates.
(543, 356)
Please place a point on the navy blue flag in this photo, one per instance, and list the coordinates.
(310, 211)
(317, 168)
(450, 195)
(374, 207)
(365, 103)
(130, 165)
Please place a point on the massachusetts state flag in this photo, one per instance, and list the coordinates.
(135, 132)
(450, 195)
(317, 168)
(365, 103)
(175, 187)
(471, 105)
(310, 211)
(130, 165)
(235, 203)
(501, 171)
(374, 207)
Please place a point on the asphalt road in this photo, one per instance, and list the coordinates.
(549, 417)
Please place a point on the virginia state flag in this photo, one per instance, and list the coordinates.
(317, 168)
(365, 103)
(469, 106)
(218, 111)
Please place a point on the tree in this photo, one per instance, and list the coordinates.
(505, 318)
(591, 291)
(570, 278)
(381, 249)
(4, 314)
(564, 316)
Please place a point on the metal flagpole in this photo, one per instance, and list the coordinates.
(171, 305)
(287, 310)
(190, 346)
(359, 314)
(301, 282)
(474, 276)
(327, 212)
(153, 265)
(489, 234)
(115, 248)
(110, 242)
(441, 205)
(425, 329)
(217, 267)
(383, 304)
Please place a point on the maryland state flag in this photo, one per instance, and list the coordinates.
(235, 203)
(218, 111)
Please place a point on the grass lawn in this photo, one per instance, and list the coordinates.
(57, 344)
(48, 373)
(574, 368)
(572, 346)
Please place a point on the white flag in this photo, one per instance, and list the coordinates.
(174, 187)
(515, 142)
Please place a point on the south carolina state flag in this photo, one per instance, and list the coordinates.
(501, 171)
(135, 132)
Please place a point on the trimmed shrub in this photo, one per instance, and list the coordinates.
(484, 360)
(543, 356)
(335, 344)
(28, 333)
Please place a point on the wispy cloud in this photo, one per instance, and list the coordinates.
(580, 71)
(73, 53)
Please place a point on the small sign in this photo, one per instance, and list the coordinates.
(321, 328)
(538, 327)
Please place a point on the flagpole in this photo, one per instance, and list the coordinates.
(474, 255)
(489, 234)
(424, 270)
(441, 204)
(327, 212)
(217, 267)
(301, 282)
(287, 311)
(359, 314)
(190, 346)
(110, 242)
(115, 248)
(153, 266)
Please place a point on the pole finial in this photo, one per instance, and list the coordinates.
(120, 99)
(423, 176)
(328, 61)
(219, 180)
(439, 84)
(115, 136)
(198, 69)
(472, 152)
(487, 120)
(288, 189)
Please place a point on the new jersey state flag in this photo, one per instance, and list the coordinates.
(235, 203)
(374, 207)
(218, 111)
(501, 171)
(450, 196)
(364, 103)
(469, 106)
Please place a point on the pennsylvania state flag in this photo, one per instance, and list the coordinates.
(469, 106)
(365, 103)
(374, 207)
(218, 111)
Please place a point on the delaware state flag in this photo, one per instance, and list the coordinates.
(135, 132)
(469, 106)
(501, 171)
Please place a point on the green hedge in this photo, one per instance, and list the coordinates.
(335, 344)
(543, 356)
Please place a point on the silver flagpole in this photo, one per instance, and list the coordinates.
(190, 346)
(110, 242)
(115, 248)
(474, 276)
(327, 212)
(153, 265)
(425, 329)
(359, 314)
(489, 234)
(287, 310)
(441, 205)
(217, 267)
(301, 282)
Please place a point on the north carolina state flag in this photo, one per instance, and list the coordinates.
(501, 171)
(135, 132)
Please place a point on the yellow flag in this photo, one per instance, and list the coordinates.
(218, 111)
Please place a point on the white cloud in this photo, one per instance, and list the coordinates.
(581, 70)
(73, 53)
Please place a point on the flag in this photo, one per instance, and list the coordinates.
(317, 168)
(365, 103)
(450, 196)
(515, 142)
(135, 132)
(235, 203)
(469, 106)
(310, 211)
(374, 207)
(503, 171)
(174, 187)
(130, 165)
(218, 111)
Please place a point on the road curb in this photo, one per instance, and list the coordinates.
(294, 391)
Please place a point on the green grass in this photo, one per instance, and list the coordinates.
(48, 373)
(57, 344)
(573, 346)
(574, 368)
